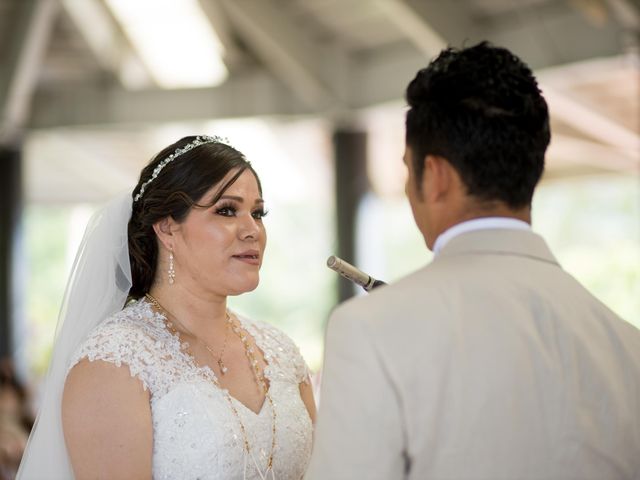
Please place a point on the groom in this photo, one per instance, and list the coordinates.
(491, 362)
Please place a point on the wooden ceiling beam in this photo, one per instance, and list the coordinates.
(29, 38)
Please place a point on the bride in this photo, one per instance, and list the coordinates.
(173, 385)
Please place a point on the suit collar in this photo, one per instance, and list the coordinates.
(499, 242)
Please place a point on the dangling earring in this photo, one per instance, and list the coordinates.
(171, 272)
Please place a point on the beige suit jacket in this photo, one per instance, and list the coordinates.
(489, 363)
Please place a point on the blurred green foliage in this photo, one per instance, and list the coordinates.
(46, 236)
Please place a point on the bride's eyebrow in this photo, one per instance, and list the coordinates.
(240, 199)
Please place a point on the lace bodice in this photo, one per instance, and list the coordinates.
(195, 433)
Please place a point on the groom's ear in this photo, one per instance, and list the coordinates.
(436, 177)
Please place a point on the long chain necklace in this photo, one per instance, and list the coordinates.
(258, 376)
(218, 358)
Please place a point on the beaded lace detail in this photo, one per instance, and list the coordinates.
(195, 434)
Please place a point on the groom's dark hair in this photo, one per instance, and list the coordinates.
(480, 108)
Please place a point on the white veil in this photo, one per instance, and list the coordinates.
(98, 286)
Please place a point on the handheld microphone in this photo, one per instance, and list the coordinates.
(350, 272)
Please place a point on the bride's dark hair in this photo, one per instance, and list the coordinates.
(177, 189)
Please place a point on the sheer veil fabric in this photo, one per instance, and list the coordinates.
(98, 287)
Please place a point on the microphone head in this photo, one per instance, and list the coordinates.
(350, 272)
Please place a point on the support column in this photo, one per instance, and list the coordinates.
(10, 215)
(350, 154)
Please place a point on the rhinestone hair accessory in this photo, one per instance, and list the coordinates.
(199, 140)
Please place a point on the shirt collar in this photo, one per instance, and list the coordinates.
(477, 224)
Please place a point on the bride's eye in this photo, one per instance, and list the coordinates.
(226, 211)
(259, 214)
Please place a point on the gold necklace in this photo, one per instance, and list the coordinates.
(261, 381)
(218, 358)
(258, 376)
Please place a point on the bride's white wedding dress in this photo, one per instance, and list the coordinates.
(195, 433)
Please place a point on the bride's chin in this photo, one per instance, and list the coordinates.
(244, 287)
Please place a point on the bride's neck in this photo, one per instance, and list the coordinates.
(202, 314)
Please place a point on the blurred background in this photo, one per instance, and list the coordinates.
(312, 92)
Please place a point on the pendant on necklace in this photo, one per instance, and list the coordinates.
(223, 368)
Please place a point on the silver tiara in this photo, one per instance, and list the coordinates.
(199, 140)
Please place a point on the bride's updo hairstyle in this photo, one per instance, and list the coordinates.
(172, 192)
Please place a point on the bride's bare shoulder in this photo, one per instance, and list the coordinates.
(106, 419)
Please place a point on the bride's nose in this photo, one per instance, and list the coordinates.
(249, 228)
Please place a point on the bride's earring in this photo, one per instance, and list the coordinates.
(171, 271)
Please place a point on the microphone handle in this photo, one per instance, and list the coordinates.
(350, 272)
(375, 284)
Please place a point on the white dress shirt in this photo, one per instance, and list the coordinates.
(477, 224)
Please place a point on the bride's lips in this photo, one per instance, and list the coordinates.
(252, 257)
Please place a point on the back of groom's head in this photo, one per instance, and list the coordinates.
(480, 108)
